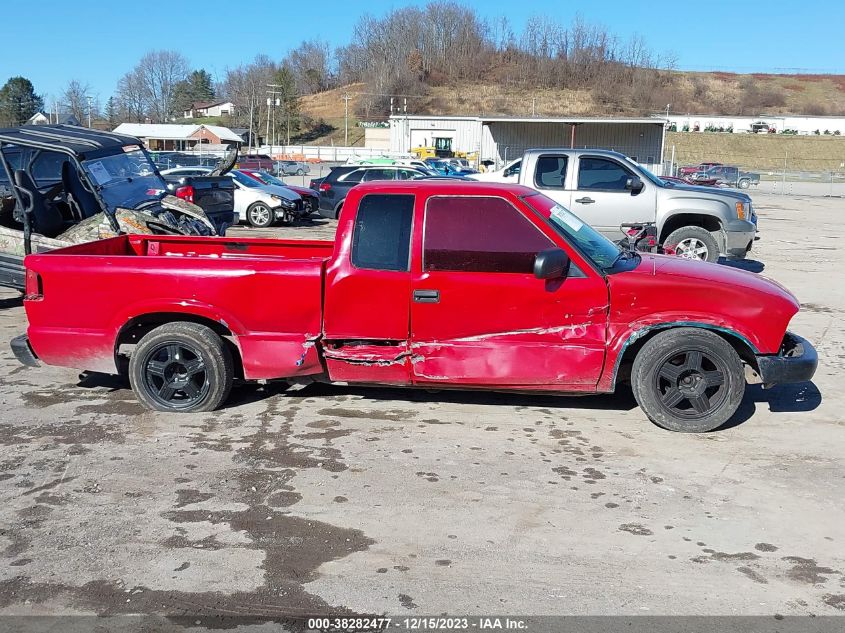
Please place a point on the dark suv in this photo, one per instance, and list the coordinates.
(334, 187)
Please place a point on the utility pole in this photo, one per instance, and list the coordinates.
(346, 99)
(272, 102)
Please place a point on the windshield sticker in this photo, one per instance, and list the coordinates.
(130, 148)
(100, 173)
(565, 216)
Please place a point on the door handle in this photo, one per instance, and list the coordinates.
(427, 296)
(585, 200)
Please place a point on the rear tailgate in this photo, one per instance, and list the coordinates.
(216, 196)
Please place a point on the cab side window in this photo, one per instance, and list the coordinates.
(381, 239)
(602, 174)
(514, 169)
(551, 172)
(47, 167)
(479, 234)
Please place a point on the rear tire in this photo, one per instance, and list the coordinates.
(688, 380)
(693, 242)
(260, 215)
(300, 172)
(338, 209)
(744, 183)
(181, 367)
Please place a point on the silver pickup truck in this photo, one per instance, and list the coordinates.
(609, 190)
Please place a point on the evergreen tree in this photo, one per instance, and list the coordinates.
(287, 116)
(18, 101)
(111, 112)
(198, 86)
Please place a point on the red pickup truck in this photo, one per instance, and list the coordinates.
(430, 284)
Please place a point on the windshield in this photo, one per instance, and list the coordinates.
(645, 172)
(270, 179)
(126, 179)
(586, 239)
(245, 180)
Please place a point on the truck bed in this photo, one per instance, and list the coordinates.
(266, 293)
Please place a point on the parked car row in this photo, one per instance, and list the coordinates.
(171, 160)
(334, 187)
(260, 198)
(265, 163)
(710, 173)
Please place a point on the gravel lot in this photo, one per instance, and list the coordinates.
(324, 498)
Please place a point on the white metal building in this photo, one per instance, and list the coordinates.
(743, 124)
(502, 139)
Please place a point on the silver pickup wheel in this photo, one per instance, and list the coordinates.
(688, 380)
(693, 242)
(181, 367)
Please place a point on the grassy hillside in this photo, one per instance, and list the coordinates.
(725, 93)
(759, 151)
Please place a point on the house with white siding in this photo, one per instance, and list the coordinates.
(209, 109)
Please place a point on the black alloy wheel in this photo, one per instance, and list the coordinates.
(175, 375)
(691, 384)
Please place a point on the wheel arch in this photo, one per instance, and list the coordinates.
(708, 222)
(638, 338)
(138, 326)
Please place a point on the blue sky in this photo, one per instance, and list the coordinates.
(98, 41)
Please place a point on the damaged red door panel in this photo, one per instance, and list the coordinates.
(366, 311)
(480, 316)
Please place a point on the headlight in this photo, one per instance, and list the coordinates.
(283, 202)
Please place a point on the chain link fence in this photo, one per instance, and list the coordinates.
(781, 175)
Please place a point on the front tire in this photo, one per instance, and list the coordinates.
(181, 367)
(693, 242)
(744, 183)
(300, 172)
(688, 380)
(259, 215)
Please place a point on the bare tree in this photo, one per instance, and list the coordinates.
(130, 99)
(157, 74)
(246, 87)
(310, 65)
(75, 97)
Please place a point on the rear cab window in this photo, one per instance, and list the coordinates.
(381, 238)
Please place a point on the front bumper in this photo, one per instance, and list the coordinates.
(796, 361)
(23, 351)
(739, 237)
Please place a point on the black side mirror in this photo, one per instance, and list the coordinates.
(634, 185)
(551, 264)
